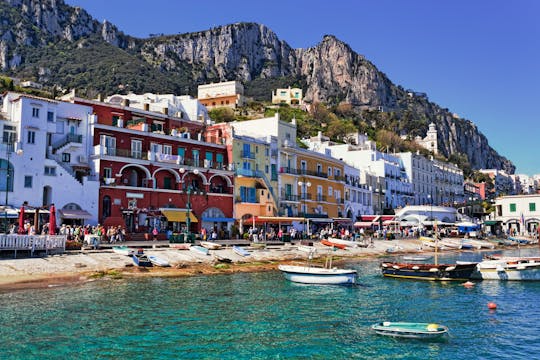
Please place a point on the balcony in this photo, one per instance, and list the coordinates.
(320, 197)
(248, 155)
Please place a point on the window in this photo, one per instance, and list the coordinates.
(31, 137)
(337, 172)
(329, 171)
(8, 136)
(108, 145)
(181, 155)
(136, 149)
(330, 191)
(50, 116)
(167, 149)
(66, 157)
(50, 171)
(195, 156)
(28, 181)
(167, 182)
(512, 207)
(532, 206)
(115, 119)
(107, 173)
(219, 160)
(35, 112)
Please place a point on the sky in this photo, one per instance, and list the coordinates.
(480, 59)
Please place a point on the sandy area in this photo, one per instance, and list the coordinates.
(76, 267)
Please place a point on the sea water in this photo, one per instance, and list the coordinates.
(263, 316)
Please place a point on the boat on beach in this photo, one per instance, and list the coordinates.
(199, 249)
(123, 250)
(410, 330)
(180, 246)
(333, 244)
(141, 260)
(158, 261)
(348, 243)
(240, 250)
(306, 248)
(509, 268)
(210, 245)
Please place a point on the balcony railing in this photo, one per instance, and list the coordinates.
(248, 155)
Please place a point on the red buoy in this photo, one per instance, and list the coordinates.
(492, 305)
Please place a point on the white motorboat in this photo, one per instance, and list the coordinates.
(318, 275)
(508, 268)
(307, 249)
(210, 245)
(348, 243)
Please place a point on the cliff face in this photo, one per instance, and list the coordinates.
(332, 71)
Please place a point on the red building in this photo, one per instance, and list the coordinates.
(157, 170)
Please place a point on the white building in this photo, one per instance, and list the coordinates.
(421, 172)
(518, 212)
(45, 146)
(358, 195)
(503, 182)
(448, 183)
(228, 94)
(183, 107)
(430, 141)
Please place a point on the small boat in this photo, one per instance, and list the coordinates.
(123, 250)
(157, 261)
(210, 245)
(333, 244)
(199, 249)
(240, 250)
(452, 244)
(394, 249)
(433, 272)
(180, 246)
(348, 243)
(520, 240)
(482, 244)
(141, 260)
(509, 268)
(410, 330)
(307, 249)
(318, 275)
(427, 239)
(416, 258)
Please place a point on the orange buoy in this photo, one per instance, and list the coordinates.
(468, 284)
(492, 305)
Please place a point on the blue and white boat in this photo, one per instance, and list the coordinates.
(123, 250)
(410, 330)
(240, 250)
(199, 249)
(157, 261)
(318, 275)
(141, 260)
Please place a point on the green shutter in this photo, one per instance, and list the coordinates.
(512, 207)
(532, 206)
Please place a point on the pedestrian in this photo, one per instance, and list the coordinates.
(155, 233)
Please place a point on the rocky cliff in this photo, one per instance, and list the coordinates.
(331, 70)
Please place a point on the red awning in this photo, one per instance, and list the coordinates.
(363, 224)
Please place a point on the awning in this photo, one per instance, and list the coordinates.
(74, 214)
(363, 224)
(272, 219)
(218, 219)
(33, 211)
(8, 212)
(320, 220)
(490, 222)
(178, 215)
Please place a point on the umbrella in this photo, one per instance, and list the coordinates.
(21, 221)
(52, 220)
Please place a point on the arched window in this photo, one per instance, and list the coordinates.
(106, 207)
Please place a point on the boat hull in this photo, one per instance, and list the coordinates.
(513, 269)
(157, 261)
(199, 249)
(432, 272)
(210, 245)
(321, 276)
(240, 250)
(410, 330)
(123, 250)
(333, 244)
(141, 260)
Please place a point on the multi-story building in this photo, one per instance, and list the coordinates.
(502, 182)
(223, 94)
(358, 195)
(421, 172)
(518, 212)
(287, 96)
(430, 141)
(158, 170)
(45, 145)
(448, 183)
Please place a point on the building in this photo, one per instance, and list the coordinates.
(358, 194)
(158, 170)
(430, 141)
(518, 213)
(503, 184)
(45, 145)
(223, 94)
(448, 183)
(421, 172)
(287, 96)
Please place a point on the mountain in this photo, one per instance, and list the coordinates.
(56, 44)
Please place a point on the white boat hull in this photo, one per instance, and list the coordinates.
(210, 245)
(520, 269)
(157, 261)
(344, 242)
(321, 276)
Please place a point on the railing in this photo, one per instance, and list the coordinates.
(69, 138)
(320, 174)
(321, 197)
(32, 243)
(248, 155)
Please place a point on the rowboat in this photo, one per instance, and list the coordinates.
(180, 246)
(141, 260)
(348, 243)
(452, 244)
(433, 272)
(509, 268)
(520, 240)
(410, 330)
(307, 249)
(318, 275)
(210, 245)
(240, 250)
(123, 250)
(157, 261)
(199, 249)
(333, 244)
(416, 258)
(482, 244)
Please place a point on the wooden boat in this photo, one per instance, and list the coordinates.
(416, 258)
(394, 249)
(240, 250)
(427, 239)
(449, 243)
(434, 245)
(157, 261)
(410, 330)
(123, 250)
(210, 245)
(180, 246)
(434, 272)
(141, 260)
(318, 275)
(333, 244)
(348, 243)
(482, 243)
(199, 249)
(509, 268)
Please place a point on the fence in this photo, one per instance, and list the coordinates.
(33, 243)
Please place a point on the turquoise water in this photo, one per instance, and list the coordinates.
(262, 316)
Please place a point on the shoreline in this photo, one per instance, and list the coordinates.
(73, 268)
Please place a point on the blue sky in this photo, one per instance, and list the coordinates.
(479, 59)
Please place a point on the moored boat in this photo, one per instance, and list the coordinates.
(240, 250)
(416, 258)
(433, 272)
(348, 243)
(210, 245)
(180, 246)
(307, 249)
(410, 330)
(318, 275)
(158, 261)
(509, 268)
(199, 249)
(333, 244)
(123, 250)
(141, 260)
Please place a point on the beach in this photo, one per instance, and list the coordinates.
(74, 267)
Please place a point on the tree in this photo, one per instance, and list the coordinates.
(221, 114)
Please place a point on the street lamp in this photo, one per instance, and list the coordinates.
(304, 185)
(189, 190)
